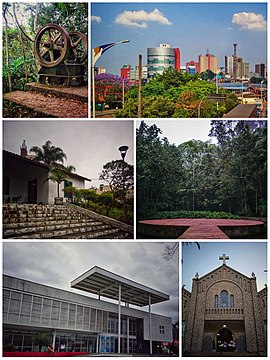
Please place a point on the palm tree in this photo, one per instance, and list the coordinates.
(59, 174)
(49, 154)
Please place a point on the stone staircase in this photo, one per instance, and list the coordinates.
(30, 221)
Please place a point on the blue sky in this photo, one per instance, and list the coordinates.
(192, 27)
(245, 257)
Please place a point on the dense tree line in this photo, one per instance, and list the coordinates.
(19, 65)
(177, 95)
(229, 176)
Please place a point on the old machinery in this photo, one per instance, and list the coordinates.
(61, 55)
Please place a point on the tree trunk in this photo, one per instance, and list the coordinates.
(36, 19)
(7, 50)
(22, 48)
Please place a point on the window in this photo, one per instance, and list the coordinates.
(224, 298)
(67, 183)
(216, 301)
(161, 329)
(231, 301)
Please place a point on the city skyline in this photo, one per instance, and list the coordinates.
(218, 27)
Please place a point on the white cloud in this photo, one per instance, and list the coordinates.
(249, 21)
(141, 18)
(96, 19)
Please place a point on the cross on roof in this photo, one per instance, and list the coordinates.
(224, 258)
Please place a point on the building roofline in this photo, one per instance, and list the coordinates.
(38, 163)
(220, 267)
(106, 283)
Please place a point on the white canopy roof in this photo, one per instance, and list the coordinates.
(105, 283)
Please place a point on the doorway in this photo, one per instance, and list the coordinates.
(225, 340)
(32, 191)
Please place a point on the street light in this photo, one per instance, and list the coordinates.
(96, 53)
(262, 93)
(123, 151)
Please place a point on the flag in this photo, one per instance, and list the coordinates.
(99, 50)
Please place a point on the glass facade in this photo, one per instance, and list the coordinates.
(25, 309)
(68, 319)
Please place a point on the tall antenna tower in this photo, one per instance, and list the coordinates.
(235, 61)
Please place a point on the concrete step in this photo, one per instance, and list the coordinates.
(50, 221)
(25, 221)
(63, 232)
(47, 105)
(29, 228)
(79, 93)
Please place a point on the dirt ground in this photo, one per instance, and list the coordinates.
(45, 105)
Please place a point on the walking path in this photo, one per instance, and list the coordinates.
(52, 101)
(204, 228)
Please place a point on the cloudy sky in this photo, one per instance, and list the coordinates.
(192, 27)
(88, 144)
(245, 257)
(179, 131)
(58, 263)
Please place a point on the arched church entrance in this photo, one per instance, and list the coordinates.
(225, 341)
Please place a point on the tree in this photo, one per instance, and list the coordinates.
(41, 339)
(174, 94)
(5, 10)
(119, 175)
(49, 154)
(58, 175)
(229, 177)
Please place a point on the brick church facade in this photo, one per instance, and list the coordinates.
(224, 312)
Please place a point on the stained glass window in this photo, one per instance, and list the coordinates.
(224, 298)
(216, 301)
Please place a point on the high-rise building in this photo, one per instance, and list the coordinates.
(260, 69)
(134, 75)
(235, 66)
(229, 65)
(162, 58)
(208, 62)
(246, 71)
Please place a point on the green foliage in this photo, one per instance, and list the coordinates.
(109, 203)
(119, 175)
(157, 107)
(194, 215)
(176, 95)
(49, 154)
(23, 68)
(200, 176)
(41, 339)
(9, 347)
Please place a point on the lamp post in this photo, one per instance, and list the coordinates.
(262, 96)
(96, 53)
(199, 108)
(123, 151)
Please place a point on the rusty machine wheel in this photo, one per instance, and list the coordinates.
(78, 46)
(61, 55)
(52, 45)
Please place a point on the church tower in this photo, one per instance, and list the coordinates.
(224, 312)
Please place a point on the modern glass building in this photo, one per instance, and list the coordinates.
(162, 58)
(83, 323)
